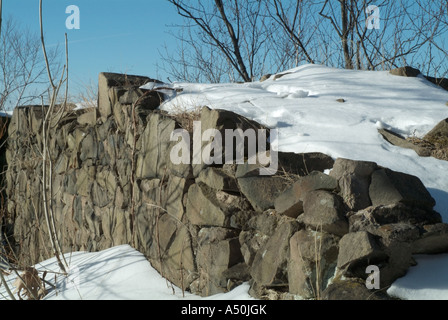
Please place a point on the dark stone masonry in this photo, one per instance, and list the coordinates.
(309, 231)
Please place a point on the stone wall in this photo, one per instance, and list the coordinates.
(308, 231)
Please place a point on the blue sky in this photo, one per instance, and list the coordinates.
(122, 36)
(114, 36)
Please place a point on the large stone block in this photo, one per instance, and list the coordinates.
(217, 178)
(439, 133)
(83, 181)
(218, 251)
(166, 242)
(154, 156)
(347, 167)
(100, 196)
(269, 267)
(180, 267)
(323, 211)
(265, 222)
(390, 187)
(373, 217)
(352, 290)
(88, 117)
(222, 120)
(433, 240)
(202, 210)
(258, 230)
(289, 164)
(262, 191)
(251, 242)
(400, 141)
(304, 163)
(209, 207)
(359, 249)
(355, 191)
(173, 195)
(89, 146)
(290, 202)
(107, 80)
(354, 181)
(406, 71)
(312, 262)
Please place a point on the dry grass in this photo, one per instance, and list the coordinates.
(314, 279)
(185, 117)
(31, 284)
(88, 96)
(437, 147)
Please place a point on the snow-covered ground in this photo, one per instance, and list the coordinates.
(303, 106)
(118, 273)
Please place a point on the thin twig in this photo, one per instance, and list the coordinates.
(47, 180)
(5, 284)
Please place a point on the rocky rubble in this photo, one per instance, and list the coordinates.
(434, 143)
(309, 231)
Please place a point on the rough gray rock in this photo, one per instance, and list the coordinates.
(433, 240)
(362, 169)
(390, 214)
(206, 230)
(366, 250)
(290, 202)
(352, 289)
(323, 211)
(303, 164)
(390, 187)
(218, 251)
(106, 84)
(312, 262)
(222, 120)
(399, 141)
(265, 77)
(209, 207)
(354, 180)
(262, 191)
(153, 158)
(440, 131)
(89, 117)
(218, 179)
(355, 191)
(405, 72)
(269, 267)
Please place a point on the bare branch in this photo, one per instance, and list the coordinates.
(50, 78)
(1, 17)
(46, 157)
(333, 33)
(290, 28)
(233, 32)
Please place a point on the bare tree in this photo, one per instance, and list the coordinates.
(194, 62)
(50, 120)
(1, 17)
(232, 31)
(294, 24)
(22, 69)
(408, 31)
(433, 21)
(2, 251)
(253, 37)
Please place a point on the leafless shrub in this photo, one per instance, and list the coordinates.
(230, 41)
(88, 95)
(22, 69)
(186, 117)
(31, 284)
